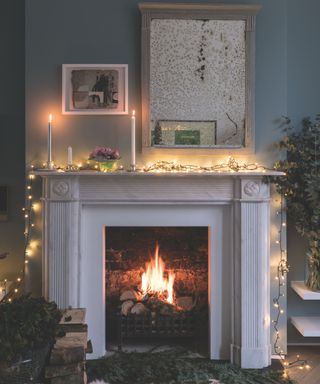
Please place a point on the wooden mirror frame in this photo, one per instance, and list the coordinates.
(246, 12)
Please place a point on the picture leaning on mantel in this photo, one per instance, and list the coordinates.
(198, 77)
(95, 89)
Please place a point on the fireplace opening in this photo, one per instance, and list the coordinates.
(156, 281)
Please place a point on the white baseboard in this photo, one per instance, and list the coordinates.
(303, 344)
(276, 357)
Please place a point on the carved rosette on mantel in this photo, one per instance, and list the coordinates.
(234, 205)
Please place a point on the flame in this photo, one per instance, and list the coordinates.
(153, 280)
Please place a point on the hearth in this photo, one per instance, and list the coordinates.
(157, 286)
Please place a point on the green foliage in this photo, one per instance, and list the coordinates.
(301, 186)
(26, 324)
(174, 367)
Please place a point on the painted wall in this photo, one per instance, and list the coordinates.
(109, 32)
(78, 31)
(99, 31)
(303, 100)
(12, 128)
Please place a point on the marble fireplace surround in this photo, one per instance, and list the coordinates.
(77, 206)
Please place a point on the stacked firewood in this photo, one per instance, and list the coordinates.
(135, 302)
(67, 358)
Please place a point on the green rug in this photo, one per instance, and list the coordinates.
(174, 367)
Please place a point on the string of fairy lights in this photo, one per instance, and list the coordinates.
(230, 165)
(28, 212)
(282, 270)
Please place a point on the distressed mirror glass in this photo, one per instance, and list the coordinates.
(197, 75)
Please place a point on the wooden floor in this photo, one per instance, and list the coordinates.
(305, 376)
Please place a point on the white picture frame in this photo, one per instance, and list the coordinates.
(95, 89)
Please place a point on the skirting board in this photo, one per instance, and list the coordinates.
(303, 344)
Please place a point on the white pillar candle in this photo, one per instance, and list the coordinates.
(50, 141)
(70, 162)
(133, 140)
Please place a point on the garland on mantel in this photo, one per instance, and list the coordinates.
(229, 165)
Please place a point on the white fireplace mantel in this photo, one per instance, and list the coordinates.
(235, 205)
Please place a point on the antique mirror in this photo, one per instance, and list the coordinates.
(198, 77)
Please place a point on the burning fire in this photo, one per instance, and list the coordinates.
(153, 280)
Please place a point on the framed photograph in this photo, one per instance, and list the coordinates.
(184, 134)
(95, 89)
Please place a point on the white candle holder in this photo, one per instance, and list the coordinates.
(71, 168)
(49, 166)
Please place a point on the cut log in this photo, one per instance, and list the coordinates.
(73, 316)
(126, 307)
(129, 295)
(63, 370)
(71, 355)
(186, 303)
(139, 309)
(80, 378)
(74, 327)
(72, 339)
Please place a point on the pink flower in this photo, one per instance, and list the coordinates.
(104, 153)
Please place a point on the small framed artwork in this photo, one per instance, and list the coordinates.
(95, 89)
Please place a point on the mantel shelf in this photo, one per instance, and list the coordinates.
(46, 173)
(306, 294)
(307, 326)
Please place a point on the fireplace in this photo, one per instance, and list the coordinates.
(80, 208)
(157, 286)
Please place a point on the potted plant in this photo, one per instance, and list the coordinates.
(301, 187)
(28, 328)
(106, 157)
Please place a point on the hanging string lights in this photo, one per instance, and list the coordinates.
(281, 275)
(13, 289)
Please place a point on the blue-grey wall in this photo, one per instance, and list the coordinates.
(303, 100)
(12, 132)
(100, 31)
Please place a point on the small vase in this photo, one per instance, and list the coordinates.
(108, 165)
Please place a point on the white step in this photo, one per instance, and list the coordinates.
(307, 326)
(305, 293)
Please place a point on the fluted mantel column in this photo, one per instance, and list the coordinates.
(251, 348)
(61, 232)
